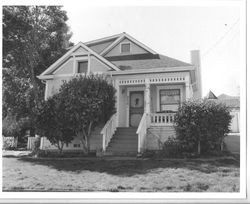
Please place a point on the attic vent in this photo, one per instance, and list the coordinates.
(125, 47)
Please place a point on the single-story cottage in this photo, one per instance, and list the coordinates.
(150, 87)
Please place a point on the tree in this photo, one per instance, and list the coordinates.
(87, 101)
(52, 124)
(202, 124)
(33, 38)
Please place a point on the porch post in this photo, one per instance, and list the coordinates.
(187, 85)
(147, 96)
(117, 87)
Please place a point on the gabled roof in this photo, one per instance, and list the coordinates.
(211, 95)
(55, 65)
(149, 61)
(123, 36)
(161, 62)
(231, 101)
(100, 44)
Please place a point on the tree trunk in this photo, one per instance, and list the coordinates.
(199, 147)
(60, 147)
(221, 146)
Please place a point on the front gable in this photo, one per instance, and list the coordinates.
(80, 51)
(68, 63)
(99, 47)
(134, 49)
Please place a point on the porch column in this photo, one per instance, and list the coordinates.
(147, 96)
(187, 85)
(117, 87)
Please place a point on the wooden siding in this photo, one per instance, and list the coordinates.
(66, 68)
(135, 49)
(80, 50)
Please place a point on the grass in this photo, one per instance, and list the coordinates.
(26, 174)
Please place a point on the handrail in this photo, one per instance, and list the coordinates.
(108, 131)
(162, 119)
(142, 132)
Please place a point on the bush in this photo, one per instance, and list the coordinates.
(11, 127)
(172, 148)
(201, 125)
(9, 143)
(86, 101)
(82, 103)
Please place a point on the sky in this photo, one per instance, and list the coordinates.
(172, 31)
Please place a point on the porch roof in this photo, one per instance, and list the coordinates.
(161, 62)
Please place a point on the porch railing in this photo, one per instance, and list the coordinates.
(142, 132)
(108, 131)
(162, 119)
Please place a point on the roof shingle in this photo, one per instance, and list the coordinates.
(162, 62)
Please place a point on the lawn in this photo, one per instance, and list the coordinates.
(26, 174)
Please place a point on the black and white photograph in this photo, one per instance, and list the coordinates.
(106, 101)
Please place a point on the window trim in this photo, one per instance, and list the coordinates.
(158, 88)
(169, 103)
(123, 44)
(78, 63)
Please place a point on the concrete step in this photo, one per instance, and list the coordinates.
(108, 153)
(125, 136)
(128, 145)
(123, 141)
(121, 150)
(125, 133)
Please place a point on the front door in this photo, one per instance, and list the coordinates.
(136, 108)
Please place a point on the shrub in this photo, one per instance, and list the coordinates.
(81, 104)
(11, 128)
(51, 122)
(172, 148)
(87, 101)
(201, 125)
(9, 143)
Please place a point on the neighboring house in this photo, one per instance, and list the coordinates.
(232, 141)
(233, 102)
(150, 87)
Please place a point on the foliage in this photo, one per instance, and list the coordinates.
(9, 143)
(172, 148)
(33, 38)
(52, 124)
(202, 125)
(11, 127)
(87, 101)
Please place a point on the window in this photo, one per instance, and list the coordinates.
(169, 99)
(76, 145)
(82, 67)
(125, 47)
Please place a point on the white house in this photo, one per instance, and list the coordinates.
(150, 87)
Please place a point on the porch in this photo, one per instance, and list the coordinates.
(143, 103)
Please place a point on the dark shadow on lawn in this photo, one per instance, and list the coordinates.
(132, 167)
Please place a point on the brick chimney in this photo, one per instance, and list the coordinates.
(196, 74)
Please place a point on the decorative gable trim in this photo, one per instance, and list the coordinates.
(55, 65)
(123, 36)
(93, 42)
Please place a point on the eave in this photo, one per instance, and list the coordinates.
(153, 70)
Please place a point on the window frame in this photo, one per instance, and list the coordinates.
(168, 89)
(124, 43)
(160, 87)
(78, 64)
